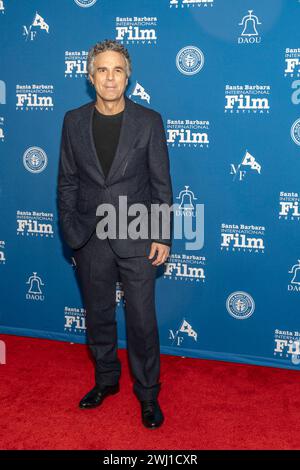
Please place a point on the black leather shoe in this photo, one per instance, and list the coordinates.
(96, 396)
(152, 416)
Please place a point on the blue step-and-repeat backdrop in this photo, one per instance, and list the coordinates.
(225, 76)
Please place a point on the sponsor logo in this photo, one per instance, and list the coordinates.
(247, 166)
(183, 333)
(189, 60)
(295, 131)
(35, 288)
(249, 33)
(240, 305)
(38, 24)
(85, 3)
(35, 159)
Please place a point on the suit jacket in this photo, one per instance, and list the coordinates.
(140, 170)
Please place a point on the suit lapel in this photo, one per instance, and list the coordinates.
(128, 133)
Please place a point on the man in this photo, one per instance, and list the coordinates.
(114, 147)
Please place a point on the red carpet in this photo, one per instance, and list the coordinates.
(207, 404)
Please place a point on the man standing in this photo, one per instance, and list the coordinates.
(113, 147)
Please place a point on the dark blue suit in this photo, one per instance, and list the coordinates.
(140, 171)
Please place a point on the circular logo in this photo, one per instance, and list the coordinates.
(240, 305)
(35, 159)
(189, 60)
(85, 3)
(295, 132)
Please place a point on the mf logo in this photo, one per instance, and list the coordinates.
(184, 330)
(140, 91)
(30, 32)
(248, 163)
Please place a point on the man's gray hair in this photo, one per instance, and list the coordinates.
(108, 45)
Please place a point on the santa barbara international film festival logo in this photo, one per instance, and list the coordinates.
(75, 317)
(292, 70)
(35, 224)
(249, 33)
(287, 345)
(240, 305)
(191, 133)
(75, 320)
(295, 131)
(75, 64)
(294, 285)
(184, 267)
(289, 204)
(190, 3)
(120, 298)
(35, 159)
(183, 333)
(34, 97)
(136, 30)
(189, 60)
(35, 284)
(242, 238)
(244, 99)
(292, 62)
(38, 25)
(247, 165)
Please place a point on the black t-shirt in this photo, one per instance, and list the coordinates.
(106, 133)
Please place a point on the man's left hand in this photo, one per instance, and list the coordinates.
(162, 253)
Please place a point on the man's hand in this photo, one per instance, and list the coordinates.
(162, 253)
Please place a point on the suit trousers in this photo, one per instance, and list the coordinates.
(99, 268)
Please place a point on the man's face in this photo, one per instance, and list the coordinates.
(109, 77)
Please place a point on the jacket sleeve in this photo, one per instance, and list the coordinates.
(160, 179)
(68, 180)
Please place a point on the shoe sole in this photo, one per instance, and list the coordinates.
(153, 427)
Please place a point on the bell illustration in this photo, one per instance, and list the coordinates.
(35, 282)
(186, 197)
(249, 22)
(296, 271)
